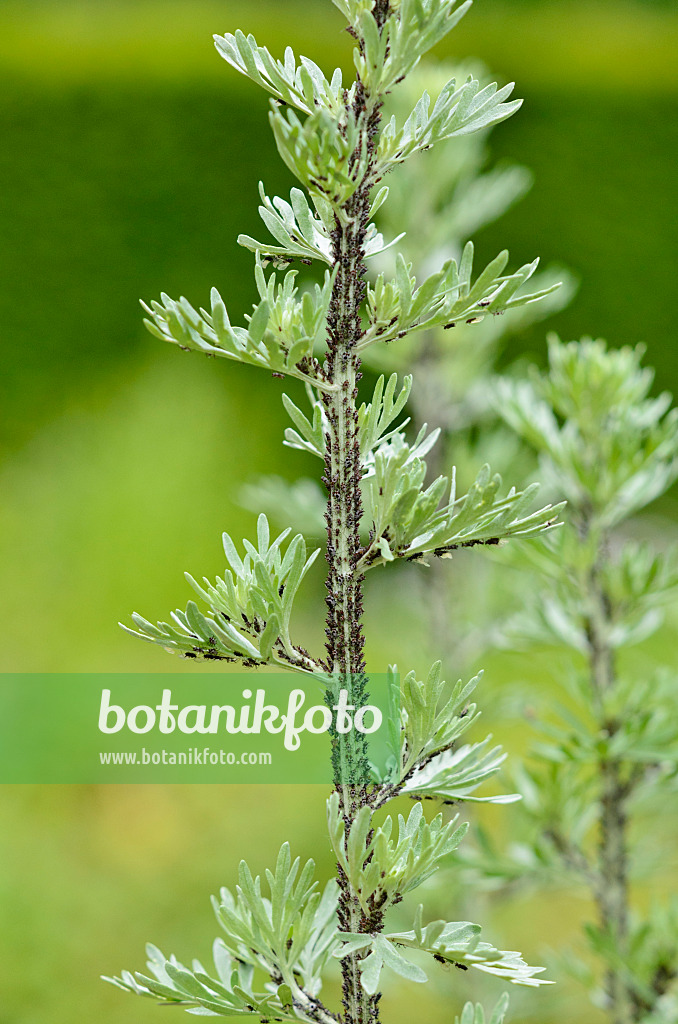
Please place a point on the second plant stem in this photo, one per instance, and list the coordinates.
(612, 889)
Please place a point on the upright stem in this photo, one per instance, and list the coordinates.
(345, 638)
(343, 472)
(612, 891)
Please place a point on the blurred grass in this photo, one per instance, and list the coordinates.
(129, 165)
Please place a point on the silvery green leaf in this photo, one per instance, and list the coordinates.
(383, 953)
(397, 963)
(321, 153)
(249, 607)
(459, 941)
(600, 437)
(302, 85)
(291, 933)
(376, 419)
(418, 521)
(414, 27)
(456, 942)
(282, 333)
(300, 233)
(370, 972)
(459, 110)
(431, 718)
(455, 774)
(398, 307)
(228, 995)
(309, 435)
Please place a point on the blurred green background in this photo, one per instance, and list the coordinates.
(129, 160)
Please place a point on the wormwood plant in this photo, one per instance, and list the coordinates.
(439, 200)
(606, 768)
(281, 935)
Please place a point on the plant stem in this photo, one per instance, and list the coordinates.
(343, 472)
(613, 894)
(345, 638)
(612, 890)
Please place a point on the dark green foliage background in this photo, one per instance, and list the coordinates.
(129, 158)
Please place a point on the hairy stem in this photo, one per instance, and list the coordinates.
(345, 637)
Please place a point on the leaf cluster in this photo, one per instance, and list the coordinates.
(228, 992)
(327, 156)
(457, 943)
(249, 608)
(411, 521)
(430, 724)
(375, 419)
(404, 518)
(382, 866)
(636, 726)
(603, 441)
(289, 935)
(398, 307)
(303, 233)
(301, 85)
(460, 941)
(638, 582)
(281, 334)
(459, 110)
(426, 724)
(414, 27)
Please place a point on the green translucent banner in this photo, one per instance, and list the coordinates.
(95, 728)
